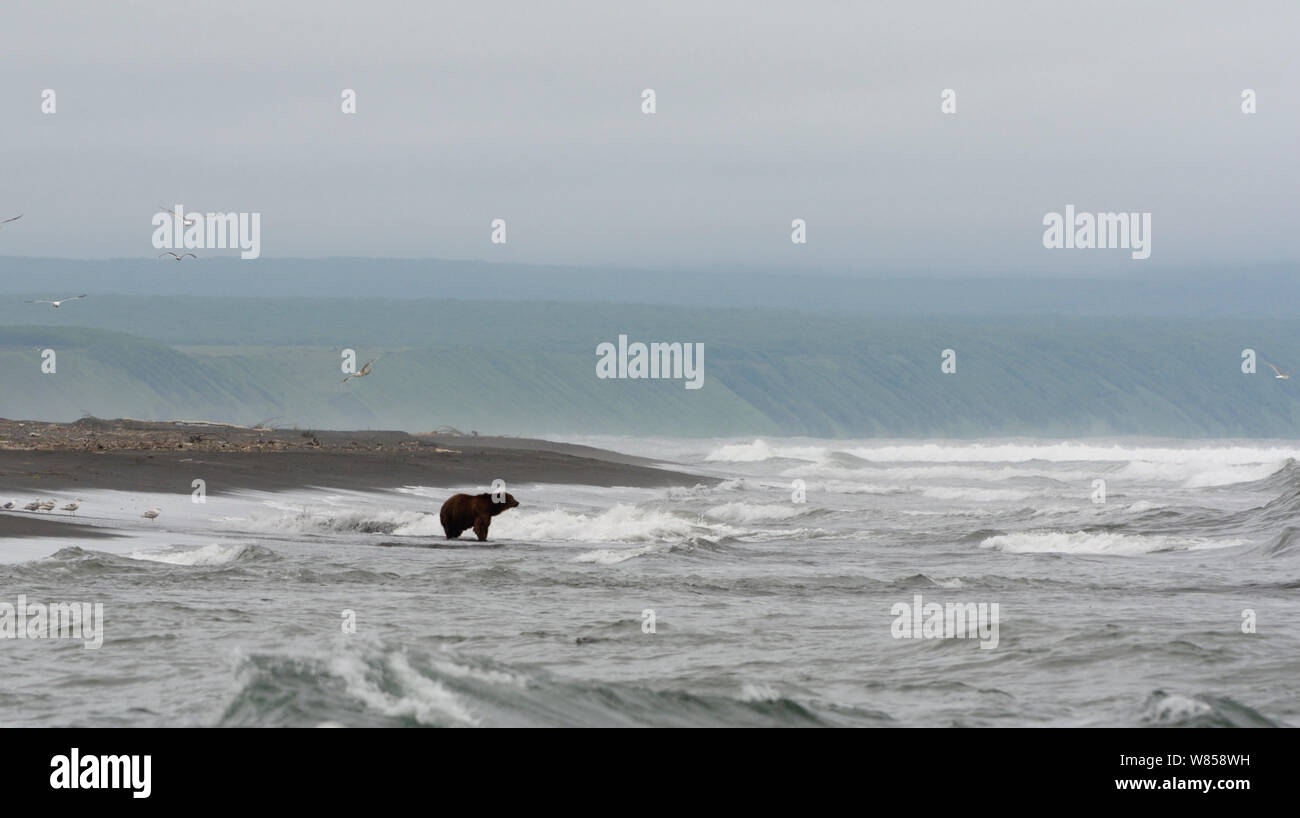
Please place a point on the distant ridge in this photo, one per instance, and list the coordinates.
(1258, 290)
(528, 368)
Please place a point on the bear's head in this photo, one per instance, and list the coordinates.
(509, 502)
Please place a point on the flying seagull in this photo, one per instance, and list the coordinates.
(178, 258)
(365, 370)
(152, 513)
(1280, 374)
(14, 219)
(170, 212)
(60, 302)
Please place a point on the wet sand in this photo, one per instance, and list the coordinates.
(21, 525)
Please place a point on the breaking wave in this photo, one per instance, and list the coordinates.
(381, 687)
(208, 555)
(1082, 542)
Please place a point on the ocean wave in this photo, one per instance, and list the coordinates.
(1070, 452)
(1287, 477)
(70, 561)
(759, 512)
(400, 691)
(760, 450)
(923, 581)
(1191, 467)
(1083, 542)
(208, 555)
(750, 692)
(619, 523)
(613, 556)
(1197, 474)
(891, 476)
(855, 487)
(1278, 513)
(1142, 506)
(373, 686)
(622, 523)
(700, 490)
(323, 519)
(1163, 709)
(1283, 542)
(977, 494)
(381, 688)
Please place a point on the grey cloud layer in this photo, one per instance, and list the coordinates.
(766, 112)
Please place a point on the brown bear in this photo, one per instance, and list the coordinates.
(475, 511)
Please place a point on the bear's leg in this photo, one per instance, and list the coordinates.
(481, 526)
(451, 531)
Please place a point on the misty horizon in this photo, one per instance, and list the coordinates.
(764, 115)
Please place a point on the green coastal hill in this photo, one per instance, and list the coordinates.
(529, 367)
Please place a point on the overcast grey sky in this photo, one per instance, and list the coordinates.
(531, 112)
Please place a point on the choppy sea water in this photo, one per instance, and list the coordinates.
(766, 611)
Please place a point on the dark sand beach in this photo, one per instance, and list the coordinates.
(23, 525)
(130, 455)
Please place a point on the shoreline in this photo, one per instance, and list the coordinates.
(146, 456)
(22, 525)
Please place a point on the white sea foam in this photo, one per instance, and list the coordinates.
(318, 518)
(1017, 452)
(215, 554)
(755, 512)
(499, 677)
(1174, 707)
(761, 450)
(854, 487)
(980, 495)
(888, 466)
(957, 471)
(759, 693)
(722, 487)
(1077, 508)
(417, 696)
(1198, 473)
(620, 524)
(1082, 542)
(1069, 452)
(613, 556)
